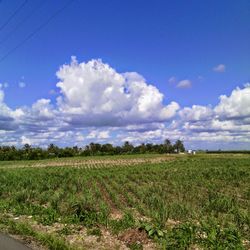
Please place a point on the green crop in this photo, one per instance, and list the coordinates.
(199, 201)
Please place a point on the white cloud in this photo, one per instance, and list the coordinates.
(7, 115)
(220, 68)
(4, 85)
(228, 121)
(22, 84)
(93, 93)
(172, 80)
(184, 84)
(97, 103)
(25, 140)
(196, 113)
(95, 134)
(237, 105)
(43, 109)
(52, 92)
(1, 96)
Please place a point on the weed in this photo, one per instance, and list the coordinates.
(94, 231)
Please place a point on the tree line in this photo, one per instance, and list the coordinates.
(27, 152)
(228, 151)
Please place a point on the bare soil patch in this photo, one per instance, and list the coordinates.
(93, 163)
(132, 236)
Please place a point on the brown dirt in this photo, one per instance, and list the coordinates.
(172, 223)
(29, 242)
(105, 242)
(80, 238)
(95, 163)
(132, 236)
(137, 236)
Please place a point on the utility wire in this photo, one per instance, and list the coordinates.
(13, 15)
(22, 22)
(37, 30)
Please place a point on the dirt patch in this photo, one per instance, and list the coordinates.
(132, 236)
(116, 215)
(106, 241)
(29, 242)
(95, 163)
(172, 223)
(77, 236)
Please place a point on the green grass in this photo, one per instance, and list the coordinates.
(52, 242)
(208, 198)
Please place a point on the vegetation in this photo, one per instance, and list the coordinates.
(200, 202)
(10, 153)
(50, 241)
(228, 152)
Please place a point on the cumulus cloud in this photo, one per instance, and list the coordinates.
(196, 113)
(43, 109)
(7, 115)
(95, 134)
(25, 140)
(228, 121)
(235, 106)
(97, 103)
(221, 68)
(184, 84)
(93, 93)
(226, 125)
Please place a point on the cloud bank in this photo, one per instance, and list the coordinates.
(97, 103)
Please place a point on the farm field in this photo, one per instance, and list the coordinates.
(128, 202)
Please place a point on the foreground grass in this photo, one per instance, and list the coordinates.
(201, 201)
(47, 240)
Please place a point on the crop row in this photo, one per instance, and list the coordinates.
(199, 192)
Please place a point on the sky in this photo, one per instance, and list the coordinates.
(73, 72)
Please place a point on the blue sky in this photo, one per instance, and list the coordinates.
(181, 40)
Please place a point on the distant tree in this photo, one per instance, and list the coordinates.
(67, 152)
(118, 150)
(168, 146)
(142, 148)
(149, 147)
(53, 150)
(179, 146)
(127, 147)
(76, 150)
(86, 151)
(107, 149)
(27, 147)
(94, 148)
(27, 152)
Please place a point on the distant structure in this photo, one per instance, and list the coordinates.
(191, 152)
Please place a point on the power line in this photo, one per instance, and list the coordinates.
(22, 22)
(37, 30)
(13, 15)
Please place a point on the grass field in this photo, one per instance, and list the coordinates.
(129, 202)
